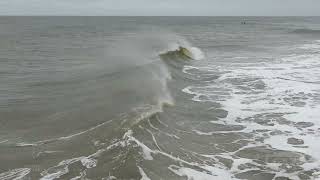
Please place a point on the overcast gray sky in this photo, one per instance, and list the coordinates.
(162, 7)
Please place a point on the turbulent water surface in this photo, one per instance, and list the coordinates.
(114, 98)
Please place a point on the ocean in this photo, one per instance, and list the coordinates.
(151, 98)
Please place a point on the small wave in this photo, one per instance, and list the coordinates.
(307, 31)
(314, 46)
(128, 120)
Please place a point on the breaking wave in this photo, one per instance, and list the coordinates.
(131, 81)
(102, 99)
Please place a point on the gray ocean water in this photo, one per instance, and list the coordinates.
(112, 98)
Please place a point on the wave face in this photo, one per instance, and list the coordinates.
(133, 98)
(128, 74)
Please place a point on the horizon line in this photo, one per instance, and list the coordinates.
(69, 15)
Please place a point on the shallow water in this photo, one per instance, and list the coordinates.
(99, 98)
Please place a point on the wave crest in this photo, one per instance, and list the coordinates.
(184, 51)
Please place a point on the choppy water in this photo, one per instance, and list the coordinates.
(91, 98)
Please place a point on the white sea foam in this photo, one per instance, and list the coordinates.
(145, 149)
(288, 88)
(3, 141)
(63, 167)
(312, 46)
(143, 174)
(15, 174)
(197, 54)
(88, 162)
(216, 171)
(193, 174)
(59, 170)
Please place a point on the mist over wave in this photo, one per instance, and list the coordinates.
(130, 75)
